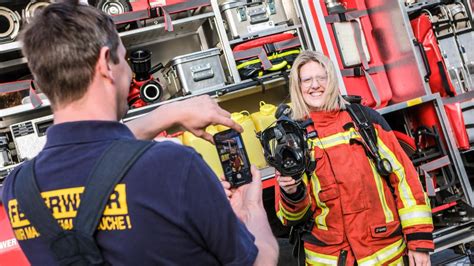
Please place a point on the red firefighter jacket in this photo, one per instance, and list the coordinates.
(354, 210)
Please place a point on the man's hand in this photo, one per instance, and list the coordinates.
(246, 198)
(417, 258)
(199, 112)
(246, 201)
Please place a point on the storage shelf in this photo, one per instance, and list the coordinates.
(221, 93)
(157, 33)
(11, 65)
(10, 47)
(276, 30)
(145, 35)
(409, 103)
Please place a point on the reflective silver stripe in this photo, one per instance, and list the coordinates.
(318, 259)
(420, 214)
(384, 255)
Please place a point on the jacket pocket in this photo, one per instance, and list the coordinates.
(390, 229)
(327, 194)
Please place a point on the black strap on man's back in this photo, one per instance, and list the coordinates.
(78, 247)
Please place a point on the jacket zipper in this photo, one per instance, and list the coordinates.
(342, 258)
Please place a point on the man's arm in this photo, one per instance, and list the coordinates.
(193, 114)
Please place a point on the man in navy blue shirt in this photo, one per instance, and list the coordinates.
(169, 209)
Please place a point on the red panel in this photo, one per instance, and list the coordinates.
(10, 251)
(269, 183)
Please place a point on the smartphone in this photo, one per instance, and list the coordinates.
(233, 157)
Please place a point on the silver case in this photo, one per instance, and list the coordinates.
(454, 63)
(248, 19)
(195, 72)
(30, 136)
(466, 43)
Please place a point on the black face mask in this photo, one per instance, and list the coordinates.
(285, 147)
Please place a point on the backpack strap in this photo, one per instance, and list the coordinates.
(366, 129)
(78, 247)
(363, 124)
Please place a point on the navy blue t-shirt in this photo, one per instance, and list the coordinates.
(170, 208)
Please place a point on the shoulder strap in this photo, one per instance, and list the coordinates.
(365, 127)
(77, 247)
(108, 171)
(31, 203)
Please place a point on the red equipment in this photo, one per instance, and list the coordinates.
(266, 54)
(438, 76)
(426, 115)
(358, 56)
(144, 88)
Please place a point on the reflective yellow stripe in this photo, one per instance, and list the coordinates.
(398, 262)
(313, 258)
(383, 255)
(414, 101)
(378, 181)
(403, 188)
(292, 216)
(420, 214)
(320, 220)
(336, 139)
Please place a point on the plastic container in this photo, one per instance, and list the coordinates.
(252, 144)
(206, 149)
(265, 117)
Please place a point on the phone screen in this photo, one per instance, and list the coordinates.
(233, 157)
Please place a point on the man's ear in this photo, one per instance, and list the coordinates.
(103, 64)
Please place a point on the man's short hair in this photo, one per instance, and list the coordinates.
(62, 46)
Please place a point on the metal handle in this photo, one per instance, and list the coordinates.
(258, 15)
(425, 59)
(202, 72)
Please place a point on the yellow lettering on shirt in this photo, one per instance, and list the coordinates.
(64, 203)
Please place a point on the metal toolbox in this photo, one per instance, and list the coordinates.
(191, 73)
(246, 19)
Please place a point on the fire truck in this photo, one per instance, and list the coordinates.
(411, 60)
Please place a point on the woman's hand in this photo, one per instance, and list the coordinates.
(287, 183)
(417, 258)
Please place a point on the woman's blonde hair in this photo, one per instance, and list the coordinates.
(333, 101)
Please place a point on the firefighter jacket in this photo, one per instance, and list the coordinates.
(356, 215)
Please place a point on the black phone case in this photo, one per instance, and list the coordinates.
(235, 175)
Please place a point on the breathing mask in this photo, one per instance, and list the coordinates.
(285, 145)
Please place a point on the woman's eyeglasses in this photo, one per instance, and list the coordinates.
(308, 82)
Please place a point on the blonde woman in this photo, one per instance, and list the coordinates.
(352, 214)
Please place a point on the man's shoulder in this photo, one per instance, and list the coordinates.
(169, 149)
(168, 158)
